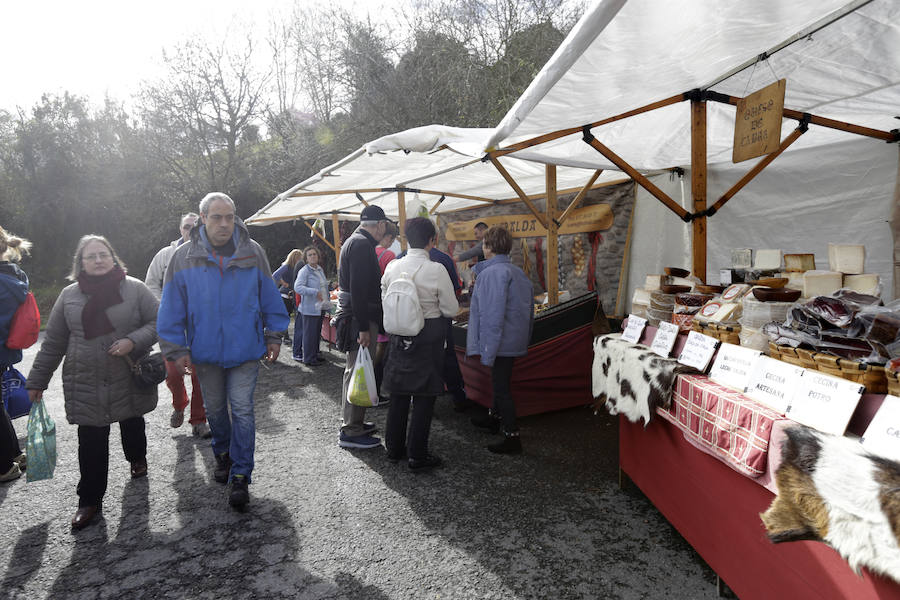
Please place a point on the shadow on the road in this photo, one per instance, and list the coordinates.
(26, 557)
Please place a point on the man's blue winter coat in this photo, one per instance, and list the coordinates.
(221, 309)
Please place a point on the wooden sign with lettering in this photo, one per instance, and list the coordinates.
(734, 365)
(883, 433)
(773, 383)
(664, 340)
(596, 217)
(757, 122)
(824, 402)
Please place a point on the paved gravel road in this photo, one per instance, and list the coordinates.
(328, 523)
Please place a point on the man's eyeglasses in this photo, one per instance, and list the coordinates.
(97, 256)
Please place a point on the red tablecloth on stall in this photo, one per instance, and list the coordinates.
(722, 422)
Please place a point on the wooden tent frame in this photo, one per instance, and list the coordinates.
(698, 99)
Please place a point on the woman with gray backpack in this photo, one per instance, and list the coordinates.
(417, 298)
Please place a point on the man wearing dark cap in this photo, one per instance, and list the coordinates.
(359, 278)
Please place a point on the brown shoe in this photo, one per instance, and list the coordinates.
(84, 516)
(138, 469)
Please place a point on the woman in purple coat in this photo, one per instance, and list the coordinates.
(500, 320)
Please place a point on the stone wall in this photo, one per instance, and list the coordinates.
(610, 250)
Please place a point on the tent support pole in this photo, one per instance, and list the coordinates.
(552, 236)
(887, 136)
(698, 188)
(536, 141)
(336, 234)
(316, 231)
(756, 170)
(637, 176)
(401, 210)
(577, 200)
(512, 183)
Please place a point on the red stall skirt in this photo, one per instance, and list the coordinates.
(555, 374)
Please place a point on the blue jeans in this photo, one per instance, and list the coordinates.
(235, 433)
(312, 331)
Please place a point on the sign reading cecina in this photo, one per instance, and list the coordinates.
(596, 217)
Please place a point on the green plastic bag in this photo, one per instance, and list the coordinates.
(40, 447)
(362, 390)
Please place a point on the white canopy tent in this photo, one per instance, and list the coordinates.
(841, 61)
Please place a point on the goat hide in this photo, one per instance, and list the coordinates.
(831, 490)
(631, 379)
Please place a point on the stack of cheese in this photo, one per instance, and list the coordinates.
(850, 261)
(640, 300)
(795, 265)
(726, 308)
(661, 306)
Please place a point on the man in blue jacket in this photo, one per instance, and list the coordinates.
(220, 313)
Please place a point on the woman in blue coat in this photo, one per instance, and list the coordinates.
(13, 288)
(500, 320)
(312, 285)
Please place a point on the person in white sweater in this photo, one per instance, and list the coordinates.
(413, 373)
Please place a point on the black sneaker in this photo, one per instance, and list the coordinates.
(423, 464)
(223, 467)
(488, 422)
(240, 495)
(511, 444)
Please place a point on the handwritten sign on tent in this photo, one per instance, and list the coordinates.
(757, 122)
(597, 217)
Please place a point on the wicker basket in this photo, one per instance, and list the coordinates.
(873, 377)
(730, 334)
(893, 382)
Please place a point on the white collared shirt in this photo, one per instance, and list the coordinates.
(436, 295)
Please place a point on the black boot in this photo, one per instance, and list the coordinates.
(511, 444)
(490, 422)
(223, 467)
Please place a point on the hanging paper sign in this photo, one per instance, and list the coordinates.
(882, 437)
(698, 350)
(633, 329)
(757, 122)
(773, 383)
(665, 337)
(824, 402)
(596, 217)
(734, 365)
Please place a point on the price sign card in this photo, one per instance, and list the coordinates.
(734, 365)
(633, 329)
(824, 402)
(883, 434)
(698, 350)
(664, 340)
(773, 383)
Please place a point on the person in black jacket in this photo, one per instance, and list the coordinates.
(359, 278)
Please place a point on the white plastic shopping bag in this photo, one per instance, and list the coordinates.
(362, 390)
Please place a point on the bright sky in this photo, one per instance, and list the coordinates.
(95, 47)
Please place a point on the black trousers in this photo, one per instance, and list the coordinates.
(503, 405)
(453, 378)
(93, 456)
(395, 437)
(9, 443)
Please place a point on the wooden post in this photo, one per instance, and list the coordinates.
(336, 234)
(698, 187)
(401, 209)
(552, 237)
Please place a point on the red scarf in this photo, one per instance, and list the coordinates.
(102, 292)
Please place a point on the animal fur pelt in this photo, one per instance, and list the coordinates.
(631, 379)
(831, 490)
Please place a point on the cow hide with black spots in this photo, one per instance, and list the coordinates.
(630, 379)
(831, 490)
